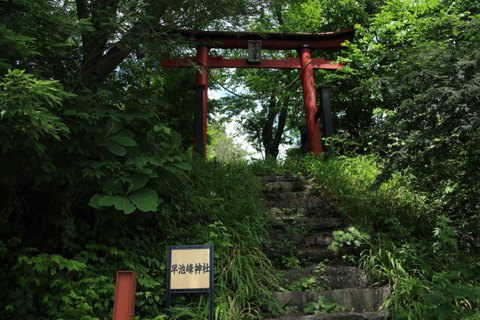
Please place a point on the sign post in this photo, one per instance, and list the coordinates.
(190, 270)
(124, 300)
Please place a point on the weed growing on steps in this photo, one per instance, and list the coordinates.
(314, 283)
(306, 284)
(322, 305)
(406, 237)
(350, 236)
(427, 254)
(283, 256)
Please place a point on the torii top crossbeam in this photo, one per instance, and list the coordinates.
(304, 43)
(270, 40)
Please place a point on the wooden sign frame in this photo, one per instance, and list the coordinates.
(190, 269)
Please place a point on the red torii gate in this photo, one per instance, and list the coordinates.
(304, 43)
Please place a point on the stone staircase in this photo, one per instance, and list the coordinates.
(316, 278)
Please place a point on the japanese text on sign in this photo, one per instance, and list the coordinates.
(254, 51)
(190, 269)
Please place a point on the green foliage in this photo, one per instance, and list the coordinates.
(224, 198)
(268, 165)
(217, 204)
(45, 286)
(351, 236)
(283, 255)
(323, 16)
(322, 305)
(14, 45)
(89, 131)
(452, 300)
(295, 164)
(427, 131)
(88, 136)
(28, 112)
(306, 284)
(415, 249)
(430, 57)
(223, 147)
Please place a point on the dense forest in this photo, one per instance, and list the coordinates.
(97, 173)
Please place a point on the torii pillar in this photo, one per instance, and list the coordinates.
(202, 82)
(310, 101)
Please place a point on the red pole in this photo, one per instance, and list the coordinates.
(202, 79)
(310, 101)
(124, 301)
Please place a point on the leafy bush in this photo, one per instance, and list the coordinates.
(426, 257)
(223, 200)
(71, 273)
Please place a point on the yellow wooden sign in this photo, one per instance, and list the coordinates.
(190, 268)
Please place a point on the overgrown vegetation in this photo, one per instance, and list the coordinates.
(95, 172)
(70, 274)
(96, 176)
(426, 253)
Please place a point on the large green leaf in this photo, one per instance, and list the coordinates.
(138, 181)
(144, 203)
(123, 137)
(124, 141)
(122, 133)
(112, 126)
(183, 165)
(146, 192)
(108, 200)
(115, 148)
(145, 199)
(120, 203)
(95, 201)
(125, 205)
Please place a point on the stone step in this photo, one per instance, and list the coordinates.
(307, 224)
(335, 316)
(301, 208)
(328, 277)
(286, 186)
(352, 299)
(309, 256)
(301, 230)
(299, 203)
(303, 240)
(314, 212)
(317, 255)
(290, 195)
(312, 256)
(282, 177)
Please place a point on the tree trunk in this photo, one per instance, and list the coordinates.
(271, 135)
